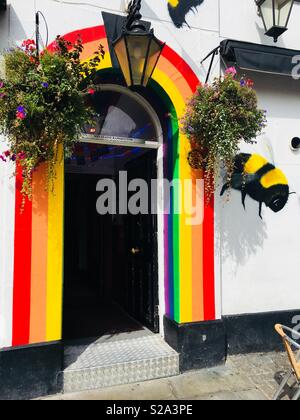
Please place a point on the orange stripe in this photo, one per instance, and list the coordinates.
(197, 259)
(91, 47)
(39, 256)
(173, 74)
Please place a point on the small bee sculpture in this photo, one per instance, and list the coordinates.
(255, 176)
(179, 9)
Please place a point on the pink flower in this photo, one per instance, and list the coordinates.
(231, 71)
(22, 156)
(20, 116)
(91, 91)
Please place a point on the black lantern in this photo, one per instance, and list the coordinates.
(137, 49)
(2, 5)
(275, 15)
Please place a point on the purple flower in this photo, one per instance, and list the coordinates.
(1, 85)
(45, 85)
(21, 113)
(243, 83)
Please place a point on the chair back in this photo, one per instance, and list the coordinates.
(289, 343)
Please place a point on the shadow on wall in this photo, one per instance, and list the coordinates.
(240, 233)
(3, 29)
(15, 29)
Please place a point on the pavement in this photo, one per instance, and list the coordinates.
(245, 377)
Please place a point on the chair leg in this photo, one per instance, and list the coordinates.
(297, 395)
(283, 384)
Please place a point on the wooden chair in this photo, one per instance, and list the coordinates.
(288, 335)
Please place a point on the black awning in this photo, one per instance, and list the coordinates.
(2, 5)
(256, 57)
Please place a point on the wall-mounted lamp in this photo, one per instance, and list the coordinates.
(295, 144)
(3, 5)
(275, 15)
(137, 49)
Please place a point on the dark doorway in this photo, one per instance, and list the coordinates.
(110, 274)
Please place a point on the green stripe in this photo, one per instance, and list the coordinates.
(176, 219)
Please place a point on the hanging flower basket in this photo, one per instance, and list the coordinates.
(218, 118)
(43, 103)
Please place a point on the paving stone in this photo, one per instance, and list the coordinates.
(222, 396)
(203, 382)
(252, 395)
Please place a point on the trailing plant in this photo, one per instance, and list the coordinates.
(218, 118)
(43, 103)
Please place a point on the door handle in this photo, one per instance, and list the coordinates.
(135, 251)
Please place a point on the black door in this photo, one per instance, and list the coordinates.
(141, 233)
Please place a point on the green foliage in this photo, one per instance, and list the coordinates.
(218, 118)
(43, 103)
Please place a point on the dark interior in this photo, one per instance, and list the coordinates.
(107, 289)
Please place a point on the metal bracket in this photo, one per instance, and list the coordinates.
(212, 54)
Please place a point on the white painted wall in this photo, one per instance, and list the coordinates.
(260, 258)
(257, 265)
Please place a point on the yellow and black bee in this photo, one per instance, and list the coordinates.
(262, 181)
(178, 10)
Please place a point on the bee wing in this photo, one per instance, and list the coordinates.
(268, 151)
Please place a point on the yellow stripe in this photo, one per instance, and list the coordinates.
(186, 272)
(185, 252)
(55, 254)
(273, 177)
(254, 164)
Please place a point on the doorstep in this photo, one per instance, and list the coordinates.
(105, 364)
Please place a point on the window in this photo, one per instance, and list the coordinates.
(120, 115)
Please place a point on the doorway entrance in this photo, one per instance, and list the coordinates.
(110, 274)
(111, 260)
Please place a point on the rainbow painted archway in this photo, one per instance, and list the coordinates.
(36, 253)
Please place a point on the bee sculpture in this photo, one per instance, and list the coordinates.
(178, 10)
(255, 176)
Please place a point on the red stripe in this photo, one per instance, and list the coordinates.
(97, 33)
(181, 65)
(22, 267)
(87, 35)
(209, 263)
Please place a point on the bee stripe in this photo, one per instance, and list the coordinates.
(274, 177)
(174, 3)
(254, 164)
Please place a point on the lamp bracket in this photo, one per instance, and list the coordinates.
(133, 21)
(258, 8)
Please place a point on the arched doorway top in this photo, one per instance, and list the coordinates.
(123, 116)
